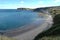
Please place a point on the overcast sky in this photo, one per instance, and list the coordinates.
(13, 4)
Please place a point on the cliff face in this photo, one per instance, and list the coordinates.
(21, 8)
(24, 9)
(47, 8)
(39, 9)
(52, 10)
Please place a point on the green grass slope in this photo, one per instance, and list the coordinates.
(54, 32)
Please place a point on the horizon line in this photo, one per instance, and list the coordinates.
(30, 8)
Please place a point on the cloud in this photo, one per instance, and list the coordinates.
(41, 2)
(56, 1)
(21, 2)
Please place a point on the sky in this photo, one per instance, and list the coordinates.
(14, 4)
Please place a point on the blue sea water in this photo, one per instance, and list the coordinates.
(13, 18)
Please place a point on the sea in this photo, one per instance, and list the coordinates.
(13, 18)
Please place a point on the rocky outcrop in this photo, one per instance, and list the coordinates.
(24, 9)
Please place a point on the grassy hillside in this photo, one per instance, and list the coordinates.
(54, 32)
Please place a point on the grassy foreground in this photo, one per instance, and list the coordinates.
(54, 32)
(6, 38)
(51, 38)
